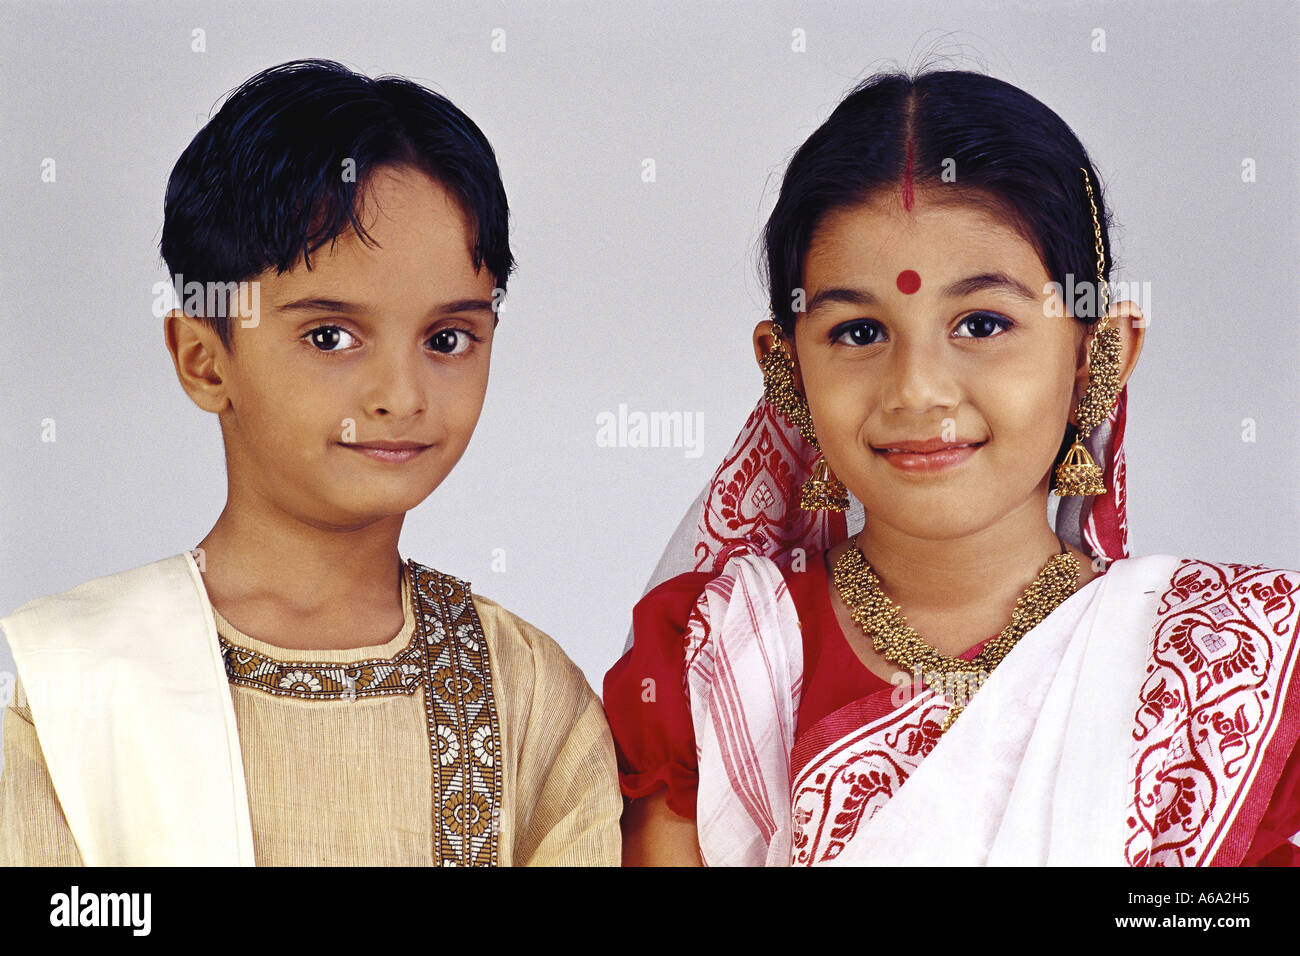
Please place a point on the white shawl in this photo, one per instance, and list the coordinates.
(129, 696)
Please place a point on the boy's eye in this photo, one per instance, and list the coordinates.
(450, 341)
(983, 325)
(856, 333)
(327, 337)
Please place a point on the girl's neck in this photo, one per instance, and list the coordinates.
(987, 569)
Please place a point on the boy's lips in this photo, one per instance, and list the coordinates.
(387, 445)
(392, 451)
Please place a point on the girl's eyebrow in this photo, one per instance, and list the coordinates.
(317, 304)
(985, 281)
(998, 281)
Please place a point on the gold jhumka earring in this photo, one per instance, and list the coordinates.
(822, 491)
(1077, 473)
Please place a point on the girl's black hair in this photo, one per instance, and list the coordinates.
(1006, 150)
(281, 170)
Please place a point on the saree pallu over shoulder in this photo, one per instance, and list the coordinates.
(744, 673)
(129, 693)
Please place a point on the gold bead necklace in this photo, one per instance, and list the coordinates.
(893, 638)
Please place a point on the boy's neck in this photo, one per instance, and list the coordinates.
(297, 586)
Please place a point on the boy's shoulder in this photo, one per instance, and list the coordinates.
(521, 651)
(61, 643)
(108, 593)
(509, 629)
(111, 607)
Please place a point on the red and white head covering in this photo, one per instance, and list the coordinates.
(752, 502)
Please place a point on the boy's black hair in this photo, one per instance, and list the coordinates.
(1008, 151)
(266, 182)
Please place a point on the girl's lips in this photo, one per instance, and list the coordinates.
(913, 461)
(397, 455)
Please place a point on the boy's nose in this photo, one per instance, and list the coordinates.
(395, 389)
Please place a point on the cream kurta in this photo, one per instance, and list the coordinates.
(347, 780)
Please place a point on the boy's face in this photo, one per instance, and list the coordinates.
(376, 343)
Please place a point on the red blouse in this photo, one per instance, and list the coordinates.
(654, 736)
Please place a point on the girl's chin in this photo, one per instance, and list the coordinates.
(935, 527)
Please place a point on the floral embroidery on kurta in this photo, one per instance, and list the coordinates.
(447, 659)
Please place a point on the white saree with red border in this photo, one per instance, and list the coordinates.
(1145, 722)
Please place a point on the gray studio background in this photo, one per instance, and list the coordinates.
(628, 292)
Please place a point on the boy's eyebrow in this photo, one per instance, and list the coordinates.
(317, 304)
(985, 281)
(321, 305)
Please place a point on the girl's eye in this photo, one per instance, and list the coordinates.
(451, 341)
(325, 338)
(856, 334)
(983, 325)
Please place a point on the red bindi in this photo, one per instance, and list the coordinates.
(908, 281)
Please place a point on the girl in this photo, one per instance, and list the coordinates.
(961, 681)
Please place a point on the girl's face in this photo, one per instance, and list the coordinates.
(934, 325)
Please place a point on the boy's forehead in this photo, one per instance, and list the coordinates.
(420, 245)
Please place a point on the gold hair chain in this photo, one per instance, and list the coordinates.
(1078, 474)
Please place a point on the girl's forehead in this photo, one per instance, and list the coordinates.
(934, 213)
(934, 238)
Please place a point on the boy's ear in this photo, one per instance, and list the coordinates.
(195, 350)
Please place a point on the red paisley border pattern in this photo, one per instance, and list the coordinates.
(848, 784)
(753, 499)
(1218, 701)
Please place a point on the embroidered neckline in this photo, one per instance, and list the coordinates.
(448, 658)
(249, 665)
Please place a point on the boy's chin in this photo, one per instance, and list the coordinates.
(375, 503)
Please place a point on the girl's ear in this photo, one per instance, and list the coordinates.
(1132, 324)
(765, 338)
(1133, 333)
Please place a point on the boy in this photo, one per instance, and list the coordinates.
(292, 692)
